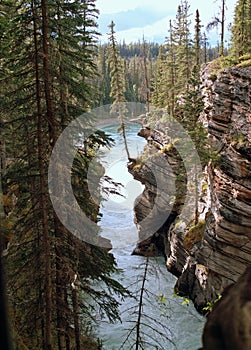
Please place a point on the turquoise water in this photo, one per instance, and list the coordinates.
(178, 324)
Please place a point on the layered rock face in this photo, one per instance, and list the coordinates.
(212, 255)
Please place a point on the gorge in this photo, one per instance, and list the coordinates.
(212, 254)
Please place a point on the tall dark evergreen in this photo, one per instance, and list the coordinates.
(159, 94)
(241, 29)
(197, 39)
(118, 88)
(146, 76)
(191, 110)
(183, 45)
(175, 69)
(47, 56)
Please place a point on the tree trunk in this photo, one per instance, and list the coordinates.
(138, 337)
(222, 28)
(146, 77)
(47, 76)
(4, 329)
(43, 178)
(125, 140)
(76, 317)
(196, 185)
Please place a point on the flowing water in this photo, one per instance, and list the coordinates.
(168, 322)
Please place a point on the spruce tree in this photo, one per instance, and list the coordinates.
(159, 95)
(49, 67)
(171, 64)
(183, 45)
(117, 74)
(191, 110)
(197, 39)
(175, 69)
(241, 29)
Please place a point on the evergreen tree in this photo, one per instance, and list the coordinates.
(205, 51)
(159, 95)
(197, 39)
(146, 77)
(171, 63)
(118, 89)
(103, 78)
(182, 45)
(48, 67)
(191, 110)
(175, 69)
(241, 29)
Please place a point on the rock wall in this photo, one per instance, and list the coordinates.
(228, 326)
(209, 257)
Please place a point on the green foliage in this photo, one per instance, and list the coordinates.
(197, 39)
(162, 299)
(117, 72)
(190, 111)
(47, 51)
(245, 60)
(133, 58)
(185, 302)
(238, 139)
(241, 29)
(210, 304)
(118, 88)
(174, 66)
(220, 63)
(160, 92)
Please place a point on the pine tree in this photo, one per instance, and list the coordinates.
(146, 77)
(103, 78)
(205, 43)
(159, 94)
(48, 65)
(171, 63)
(241, 29)
(183, 45)
(191, 110)
(197, 39)
(175, 69)
(118, 88)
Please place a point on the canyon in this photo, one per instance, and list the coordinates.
(210, 253)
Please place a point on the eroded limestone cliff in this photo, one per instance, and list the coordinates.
(215, 252)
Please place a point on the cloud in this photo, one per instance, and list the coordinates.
(152, 19)
(136, 18)
(115, 6)
(155, 32)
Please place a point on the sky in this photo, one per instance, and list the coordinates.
(135, 18)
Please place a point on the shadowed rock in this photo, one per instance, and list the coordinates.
(228, 326)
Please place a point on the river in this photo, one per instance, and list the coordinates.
(168, 322)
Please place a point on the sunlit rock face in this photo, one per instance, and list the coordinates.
(225, 250)
(219, 252)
